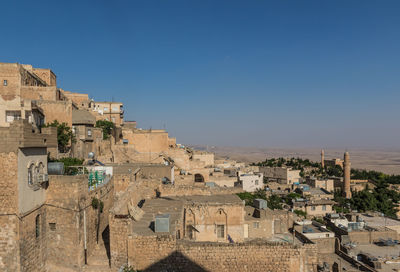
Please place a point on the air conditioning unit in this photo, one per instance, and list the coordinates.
(43, 178)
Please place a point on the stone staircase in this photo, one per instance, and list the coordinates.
(99, 260)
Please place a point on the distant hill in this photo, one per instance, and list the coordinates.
(387, 161)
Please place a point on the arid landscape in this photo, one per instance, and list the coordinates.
(387, 161)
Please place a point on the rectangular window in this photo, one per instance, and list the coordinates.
(324, 207)
(52, 226)
(256, 225)
(89, 132)
(313, 208)
(113, 119)
(12, 115)
(220, 231)
(37, 222)
(105, 109)
(5, 82)
(256, 182)
(115, 109)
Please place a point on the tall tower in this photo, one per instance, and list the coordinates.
(346, 175)
(322, 158)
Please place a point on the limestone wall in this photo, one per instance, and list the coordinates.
(207, 158)
(172, 190)
(152, 253)
(68, 204)
(9, 249)
(33, 253)
(39, 93)
(57, 110)
(147, 141)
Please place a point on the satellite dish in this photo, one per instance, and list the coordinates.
(91, 155)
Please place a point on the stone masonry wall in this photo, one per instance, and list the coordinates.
(119, 229)
(9, 247)
(9, 221)
(152, 253)
(33, 253)
(68, 200)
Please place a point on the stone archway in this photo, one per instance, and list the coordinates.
(198, 178)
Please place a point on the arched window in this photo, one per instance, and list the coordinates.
(31, 174)
(37, 222)
(41, 168)
(198, 178)
(36, 174)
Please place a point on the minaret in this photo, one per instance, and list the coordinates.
(346, 175)
(322, 158)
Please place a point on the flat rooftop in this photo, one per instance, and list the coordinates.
(379, 221)
(174, 207)
(389, 256)
(127, 168)
(213, 199)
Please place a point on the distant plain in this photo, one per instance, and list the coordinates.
(383, 160)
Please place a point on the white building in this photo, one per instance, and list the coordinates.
(250, 182)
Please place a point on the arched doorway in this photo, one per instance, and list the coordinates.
(198, 178)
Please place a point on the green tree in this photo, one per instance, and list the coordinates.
(106, 126)
(300, 213)
(65, 137)
(274, 202)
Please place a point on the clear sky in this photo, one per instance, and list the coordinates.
(234, 73)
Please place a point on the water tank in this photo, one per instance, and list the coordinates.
(260, 203)
(162, 223)
(55, 168)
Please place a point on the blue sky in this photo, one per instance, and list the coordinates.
(233, 73)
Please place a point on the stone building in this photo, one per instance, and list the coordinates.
(266, 223)
(326, 184)
(281, 175)
(87, 137)
(42, 217)
(23, 183)
(192, 222)
(333, 162)
(109, 111)
(27, 83)
(250, 182)
(74, 227)
(314, 208)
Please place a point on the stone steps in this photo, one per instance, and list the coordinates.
(96, 268)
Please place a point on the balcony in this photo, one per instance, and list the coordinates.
(98, 176)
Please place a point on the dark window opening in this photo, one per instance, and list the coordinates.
(52, 226)
(37, 221)
(198, 178)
